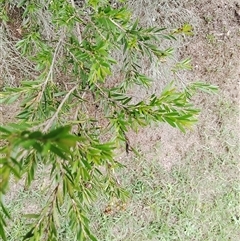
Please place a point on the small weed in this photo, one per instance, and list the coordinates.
(208, 19)
(211, 39)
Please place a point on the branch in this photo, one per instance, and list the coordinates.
(49, 123)
(119, 26)
(50, 72)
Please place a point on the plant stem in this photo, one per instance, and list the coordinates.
(49, 123)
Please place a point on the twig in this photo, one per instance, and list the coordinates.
(119, 26)
(49, 123)
(50, 72)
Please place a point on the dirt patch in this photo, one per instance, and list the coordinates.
(214, 50)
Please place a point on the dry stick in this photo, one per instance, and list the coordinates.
(49, 123)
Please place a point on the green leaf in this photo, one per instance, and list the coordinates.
(63, 93)
(168, 88)
(15, 172)
(205, 87)
(38, 147)
(2, 232)
(187, 29)
(5, 130)
(21, 3)
(35, 135)
(12, 99)
(68, 141)
(183, 65)
(170, 121)
(5, 211)
(56, 218)
(20, 126)
(29, 235)
(58, 132)
(32, 215)
(180, 127)
(58, 152)
(27, 144)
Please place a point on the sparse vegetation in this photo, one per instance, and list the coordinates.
(195, 197)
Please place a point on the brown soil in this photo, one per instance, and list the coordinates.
(214, 50)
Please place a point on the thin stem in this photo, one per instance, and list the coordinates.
(50, 72)
(119, 26)
(49, 123)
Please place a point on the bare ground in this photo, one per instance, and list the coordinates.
(214, 50)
